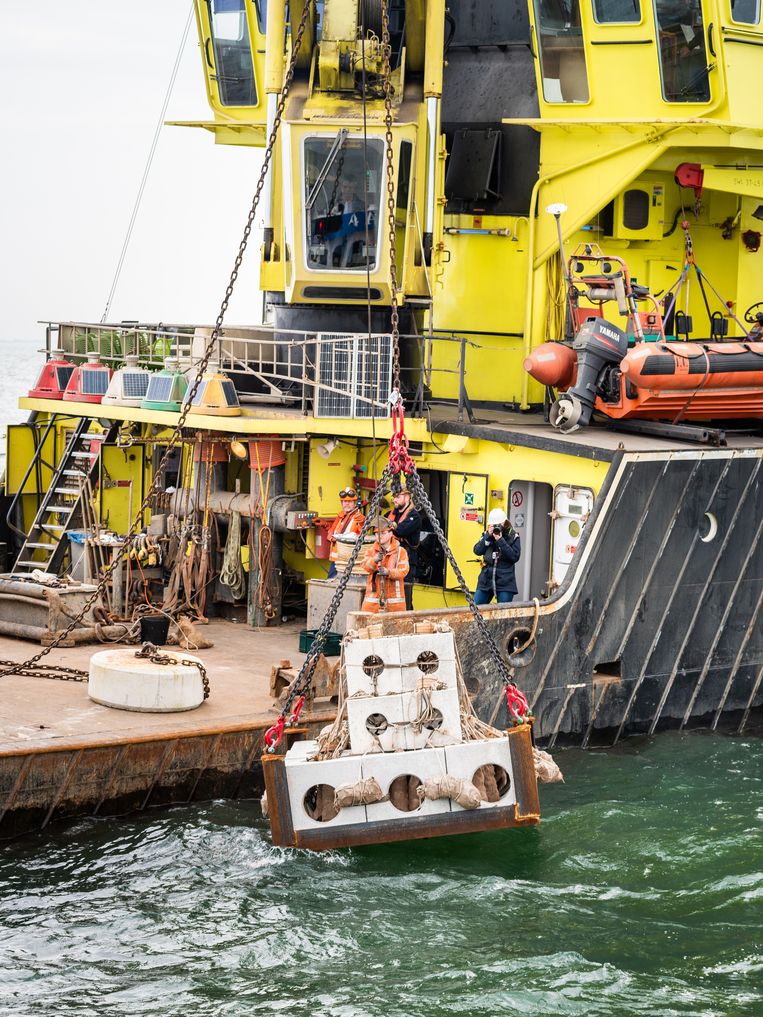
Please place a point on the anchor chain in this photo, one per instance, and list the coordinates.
(54, 672)
(176, 435)
(390, 173)
(301, 683)
(150, 652)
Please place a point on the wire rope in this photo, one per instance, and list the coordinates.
(147, 168)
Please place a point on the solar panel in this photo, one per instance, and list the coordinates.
(94, 382)
(229, 393)
(134, 384)
(199, 394)
(62, 375)
(160, 388)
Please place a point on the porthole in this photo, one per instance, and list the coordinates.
(708, 528)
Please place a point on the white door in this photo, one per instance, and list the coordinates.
(572, 508)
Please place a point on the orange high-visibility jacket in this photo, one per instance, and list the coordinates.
(385, 593)
(349, 522)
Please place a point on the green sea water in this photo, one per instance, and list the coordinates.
(640, 893)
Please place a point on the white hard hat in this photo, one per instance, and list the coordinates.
(496, 517)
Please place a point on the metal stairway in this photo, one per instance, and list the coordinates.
(60, 505)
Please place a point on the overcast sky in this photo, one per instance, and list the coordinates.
(82, 87)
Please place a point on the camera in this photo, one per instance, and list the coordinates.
(497, 530)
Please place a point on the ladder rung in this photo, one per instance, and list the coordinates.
(71, 491)
(32, 543)
(68, 509)
(73, 473)
(32, 564)
(84, 455)
(43, 527)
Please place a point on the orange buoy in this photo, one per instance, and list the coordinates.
(552, 364)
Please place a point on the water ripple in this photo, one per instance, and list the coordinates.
(640, 893)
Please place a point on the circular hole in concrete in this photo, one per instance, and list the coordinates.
(435, 721)
(319, 803)
(373, 666)
(376, 724)
(428, 661)
(492, 782)
(402, 792)
(517, 639)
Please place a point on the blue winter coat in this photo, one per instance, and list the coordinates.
(499, 558)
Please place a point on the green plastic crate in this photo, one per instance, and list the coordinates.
(333, 642)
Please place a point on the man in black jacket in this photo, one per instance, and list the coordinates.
(406, 524)
(500, 550)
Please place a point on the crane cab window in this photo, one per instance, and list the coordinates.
(342, 190)
(561, 51)
(233, 67)
(683, 59)
(617, 12)
(745, 12)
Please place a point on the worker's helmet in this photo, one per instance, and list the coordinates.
(496, 517)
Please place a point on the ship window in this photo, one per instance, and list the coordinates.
(233, 68)
(401, 202)
(683, 60)
(617, 12)
(342, 196)
(261, 6)
(745, 12)
(562, 56)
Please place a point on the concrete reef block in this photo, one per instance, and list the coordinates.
(302, 777)
(377, 723)
(445, 701)
(465, 760)
(387, 767)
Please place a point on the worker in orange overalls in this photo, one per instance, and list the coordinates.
(387, 566)
(349, 520)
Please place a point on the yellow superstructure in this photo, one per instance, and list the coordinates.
(633, 115)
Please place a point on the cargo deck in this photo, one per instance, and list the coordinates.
(63, 756)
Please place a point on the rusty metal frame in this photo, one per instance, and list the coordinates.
(69, 773)
(526, 811)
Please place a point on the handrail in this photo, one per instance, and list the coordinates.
(32, 464)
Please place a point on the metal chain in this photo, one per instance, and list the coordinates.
(55, 672)
(390, 170)
(421, 500)
(176, 435)
(301, 683)
(149, 652)
(339, 168)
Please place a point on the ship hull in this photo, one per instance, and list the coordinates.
(657, 623)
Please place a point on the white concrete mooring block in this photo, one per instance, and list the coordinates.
(125, 682)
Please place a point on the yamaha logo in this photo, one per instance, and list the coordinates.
(609, 332)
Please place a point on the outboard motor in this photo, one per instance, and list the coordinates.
(598, 347)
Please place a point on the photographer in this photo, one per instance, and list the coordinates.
(500, 550)
(405, 522)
